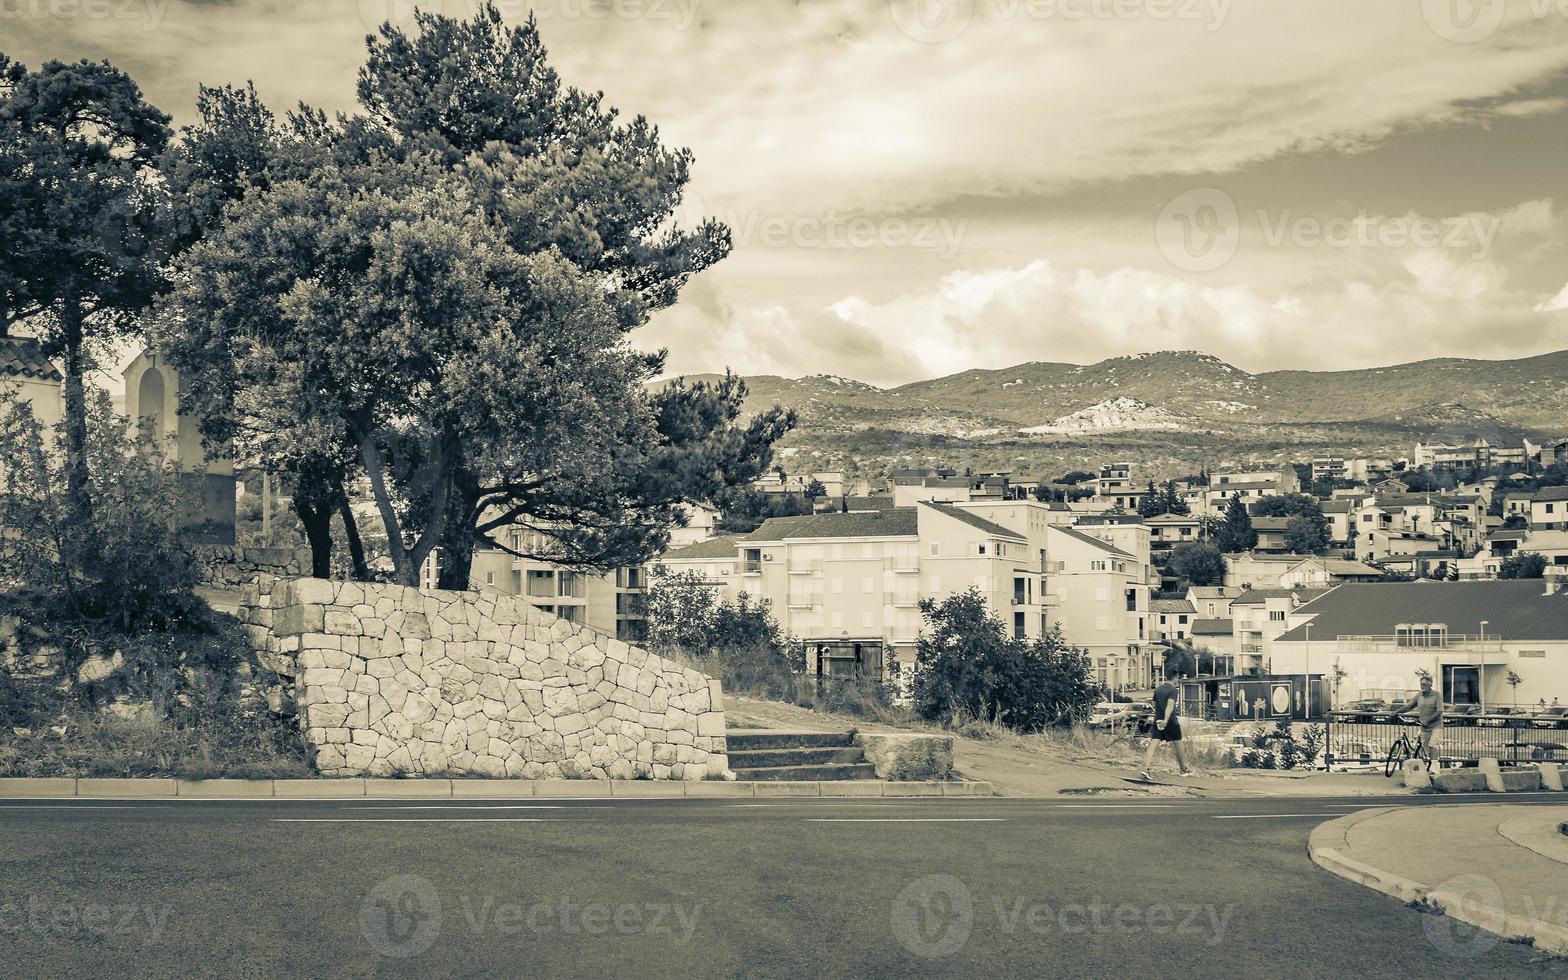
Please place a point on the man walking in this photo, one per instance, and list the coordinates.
(1167, 724)
(1428, 706)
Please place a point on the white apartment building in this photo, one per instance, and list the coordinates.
(1549, 509)
(1258, 618)
(1469, 636)
(849, 585)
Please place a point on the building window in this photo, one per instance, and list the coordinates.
(1018, 625)
(1276, 615)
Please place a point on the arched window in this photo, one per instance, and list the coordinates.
(149, 403)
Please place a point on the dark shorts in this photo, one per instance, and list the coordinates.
(1172, 732)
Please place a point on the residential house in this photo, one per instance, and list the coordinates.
(1170, 531)
(1213, 601)
(29, 376)
(1258, 617)
(1173, 618)
(1468, 636)
(609, 602)
(1322, 571)
(1501, 545)
(1271, 533)
(1218, 637)
(1114, 487)
(1549, 509)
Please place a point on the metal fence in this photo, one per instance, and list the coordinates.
(1355, 739)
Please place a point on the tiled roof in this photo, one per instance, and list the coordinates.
(1255, 597)
(1515, 609)
(1091, 539)
(1212, 627)
(977, 522)
(1217, 591)
(1171, 606)
(1551, 493)
(1270, 523)
(897, 522)
(1172, 519)
(874, 502)
(712, 548)
(22, 357)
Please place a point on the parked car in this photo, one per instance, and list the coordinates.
(1142, 716)
(1367, 709)
(1110, 714)
(1550, 718)
(1462, 714)
(1504, 717)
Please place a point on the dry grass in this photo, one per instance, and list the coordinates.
(82, 743)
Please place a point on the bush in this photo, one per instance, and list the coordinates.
(132, 566)
(968, 666)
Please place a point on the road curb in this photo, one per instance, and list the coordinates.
(68, 787)
(1324, 848)
(1544, 837)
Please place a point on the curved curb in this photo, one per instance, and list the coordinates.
(1544, 837)
(1326, 847)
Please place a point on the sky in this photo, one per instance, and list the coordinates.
(920, 187)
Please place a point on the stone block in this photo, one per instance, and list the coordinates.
(907, 757)
(1551, 776)
(1493, 774)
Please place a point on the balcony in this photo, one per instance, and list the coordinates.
(902, 599)
(902, 563)
(1052, 567)
(751, 566)
(804, 600)
(812, 567)
(1389, 643)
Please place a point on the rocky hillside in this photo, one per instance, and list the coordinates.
(991, 418)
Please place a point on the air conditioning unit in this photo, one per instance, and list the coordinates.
(767, 557)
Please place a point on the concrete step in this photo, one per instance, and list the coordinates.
(744, 741)
(835, 772)
(774, 758)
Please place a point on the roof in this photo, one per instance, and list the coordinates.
(1073, 532)
(1516, 609)
(723, 547)
(873, 502)
(1254, 597)
(1217, 591)
(1171, 606)
(1212, 627)
(977, 522)
(895, 522)
(1270, 523)
(1172, 519)
(1345, 566)
(23, 357)
(1551, 493)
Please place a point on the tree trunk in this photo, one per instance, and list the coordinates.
(78, 501)
(458, 538)
(317, 519)
(356, 547)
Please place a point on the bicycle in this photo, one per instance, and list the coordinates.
(1404, 748)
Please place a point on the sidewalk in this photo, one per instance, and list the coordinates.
(1502, 868)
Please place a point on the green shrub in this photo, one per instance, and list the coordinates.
(967, 665)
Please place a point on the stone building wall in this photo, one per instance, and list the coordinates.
(390, 680)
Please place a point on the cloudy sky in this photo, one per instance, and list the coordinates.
(919, 187)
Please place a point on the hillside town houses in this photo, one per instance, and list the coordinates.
(1410, 578)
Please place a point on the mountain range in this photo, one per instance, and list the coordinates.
(1175, 400)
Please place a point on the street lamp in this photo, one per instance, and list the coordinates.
(1484, 622)
(1308, 683)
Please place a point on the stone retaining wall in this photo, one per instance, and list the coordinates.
(229, 567)
(391, 680)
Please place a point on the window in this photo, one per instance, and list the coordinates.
(1182, 619)
(981, 549)
(936, 549)
(1018, 625)
(489, 578)
(1276, 615)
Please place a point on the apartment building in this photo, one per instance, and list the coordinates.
(1468, 636)
(1173, 618)
(1258, 618)
(1250, 487)
(1114, 487)
(849, 585)
(1329, 468)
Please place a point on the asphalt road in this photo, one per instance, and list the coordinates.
(690, 888)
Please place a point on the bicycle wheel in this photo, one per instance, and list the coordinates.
(1397, 754)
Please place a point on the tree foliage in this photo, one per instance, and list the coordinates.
(1235, 532)
(1526, 565)
(1199, 564)
(968, 666)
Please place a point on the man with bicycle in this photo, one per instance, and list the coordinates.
(1428, 706)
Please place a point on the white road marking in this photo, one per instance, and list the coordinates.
(906, 819)
(1114, 806)
(546, 806)
(746, 806)
(412, 819)
(1270, 816)
(72, 806)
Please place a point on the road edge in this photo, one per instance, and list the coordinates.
(1325, 847)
